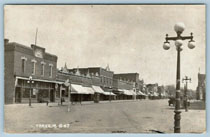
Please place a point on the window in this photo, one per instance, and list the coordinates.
(50, 72)
(42, 68)
(23, 65)
(33, 67)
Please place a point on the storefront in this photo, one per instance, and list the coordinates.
(41, 90)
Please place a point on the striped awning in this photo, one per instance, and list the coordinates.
(79, 89)
(89, 90)
(98, 89)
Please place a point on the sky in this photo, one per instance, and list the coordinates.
(127, 37)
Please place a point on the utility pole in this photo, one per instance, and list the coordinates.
(186, 79)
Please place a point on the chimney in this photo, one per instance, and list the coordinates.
(6, 41)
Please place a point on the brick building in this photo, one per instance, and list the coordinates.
(97, 79)
(48, 83)
(21, 62)
(105, 75)
(131, 82)
(131, 77)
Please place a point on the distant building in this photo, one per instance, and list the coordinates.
(21, 62)
(152, 90)
(131, 82)
(162, 92)
(131, 77)
(201, 88)
(105, 75)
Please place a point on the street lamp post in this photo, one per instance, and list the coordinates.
(30, 81)
(179, 28)
(110, 99)
(186, 79)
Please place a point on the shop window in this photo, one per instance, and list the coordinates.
(43, 94)
(26, 93)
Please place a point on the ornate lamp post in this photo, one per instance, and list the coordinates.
(186, 79)
(30, 81)
(179, 28)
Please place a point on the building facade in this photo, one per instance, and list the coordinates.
(21, 62)
(152, 91)
(105, 75)
(201, 88)
(31, 75)
(133, 78)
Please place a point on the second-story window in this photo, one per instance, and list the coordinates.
(23, 64)
(51, 70)
(42, 68)
(33, 67)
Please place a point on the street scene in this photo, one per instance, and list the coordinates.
(104, 69)
(142, 116)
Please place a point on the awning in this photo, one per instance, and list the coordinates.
(98, 89)
(121, 90)
(127, 92)
(155, 94)
(140, 93)
(78, 89)
(89, 90)
(109, 93)
(134, 93)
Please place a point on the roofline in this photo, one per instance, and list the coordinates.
(24, 46)
(90, 68)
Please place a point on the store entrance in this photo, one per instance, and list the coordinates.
(52, 96)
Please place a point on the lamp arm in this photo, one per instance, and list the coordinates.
(171, 38)
(187, 37)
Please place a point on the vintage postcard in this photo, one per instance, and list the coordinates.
(104, 68)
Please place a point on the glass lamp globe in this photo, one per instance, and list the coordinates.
(178, 43)
(191, 44)
(179, 27)
(166, 45)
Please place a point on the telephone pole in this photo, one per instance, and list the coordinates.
(186, 79)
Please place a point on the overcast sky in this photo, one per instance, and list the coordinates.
(127, 37)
